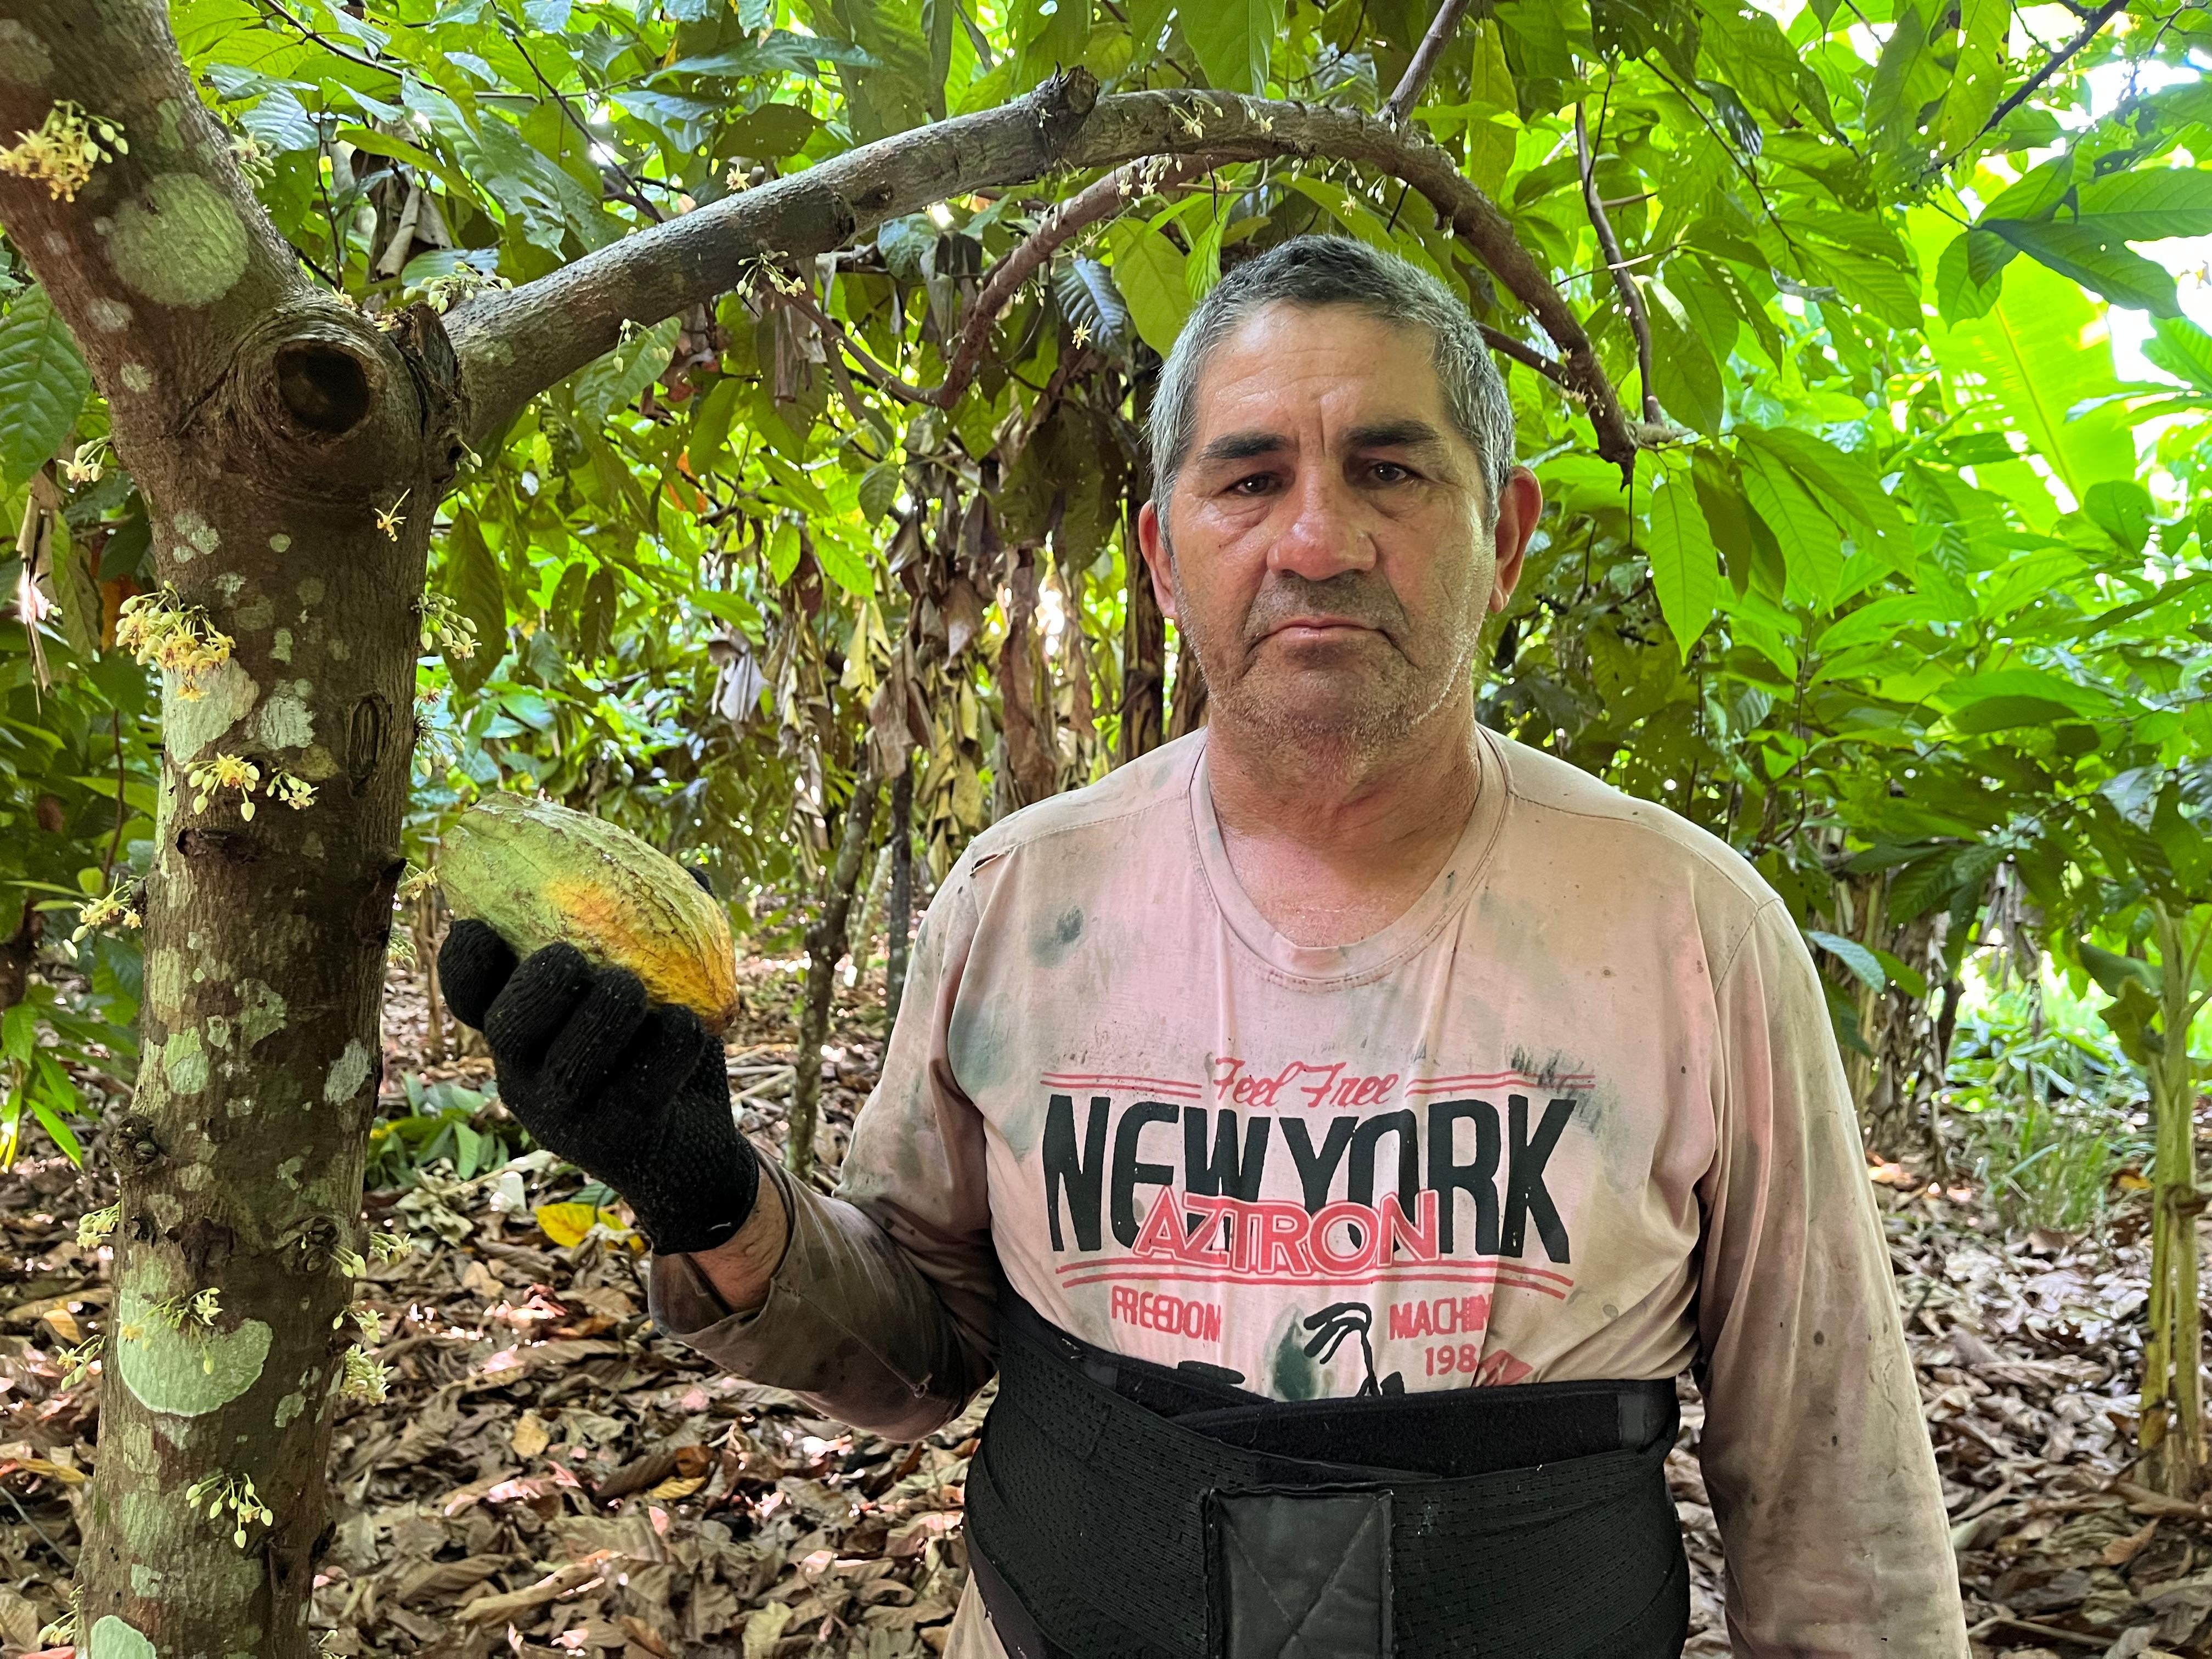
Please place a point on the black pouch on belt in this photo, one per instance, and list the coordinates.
(1120, 1509)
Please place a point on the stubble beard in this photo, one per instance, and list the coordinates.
(1358, 721)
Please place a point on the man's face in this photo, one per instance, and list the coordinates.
(1333, 550)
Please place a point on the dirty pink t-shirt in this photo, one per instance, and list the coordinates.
(1577, 1114)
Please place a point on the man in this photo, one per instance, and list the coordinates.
(1337, 1126)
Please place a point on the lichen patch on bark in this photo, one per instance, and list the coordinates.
(180, 244)
(200, 536)
(189, 725)
(347, 1074)
(112, 1638)
(24, 60)
(282, 721)
(184, 1061)
(261, 1012)
(188, 1372)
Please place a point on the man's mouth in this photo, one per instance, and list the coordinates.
(1317, 628)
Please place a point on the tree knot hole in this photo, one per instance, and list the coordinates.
(325, 388)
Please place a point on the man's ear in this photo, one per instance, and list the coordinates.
(1520, 505)
(1151, 536)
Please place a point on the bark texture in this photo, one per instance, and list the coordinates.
(265, 424)
(825, 949)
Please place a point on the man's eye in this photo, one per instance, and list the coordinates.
(1389, 472)
(1257, 485)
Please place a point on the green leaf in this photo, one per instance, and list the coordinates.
(783, 551)
(615, 380)
(43, 384)
(1977, 80)
(398, 150)
(1688, 379)
(1846, 483)
(1087, 296)
(1148, 269)
(2028, 352)
(2114, 972)
(1865, 966)
(1878, 286)
(892, 92)
(2026, 684)
(845, 565)
(1685, 565)
(733, 608)
(2182, 349)
(1889, 119)
(473, 579)
(1232, 40)
(1970, 275)
(710, 426)
(771, 131)
(1812, 546)
(2122, 509)
(2150, 203)
(2095, 259)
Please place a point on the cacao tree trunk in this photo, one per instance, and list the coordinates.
(266, 425)
(825, 947)
(900, 920)
(426, 969)
(2171, 1434)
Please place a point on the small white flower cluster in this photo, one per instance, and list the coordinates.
(235, 1492)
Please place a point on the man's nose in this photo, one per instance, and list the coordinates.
(1321, 532)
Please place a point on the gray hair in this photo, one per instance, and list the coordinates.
(1335, 270)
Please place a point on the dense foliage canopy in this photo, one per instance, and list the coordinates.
(1906, 594)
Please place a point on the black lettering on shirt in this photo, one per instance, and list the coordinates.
(1317, 1170)
(1477, 1180)
(1526, 1198)
(1225, 1171)
(1128, 1171)
(1082, 1173)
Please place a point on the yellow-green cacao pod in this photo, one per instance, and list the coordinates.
(536, 873)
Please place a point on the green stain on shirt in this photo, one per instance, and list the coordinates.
(1295, 1375)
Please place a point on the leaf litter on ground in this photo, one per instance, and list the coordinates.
(550, 1475)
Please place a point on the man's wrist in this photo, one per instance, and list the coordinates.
(741, 1269)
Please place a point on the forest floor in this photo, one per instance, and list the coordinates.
(551, 1474)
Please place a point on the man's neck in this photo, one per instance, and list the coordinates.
(1333, 845)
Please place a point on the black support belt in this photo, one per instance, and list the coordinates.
(1120, 1509)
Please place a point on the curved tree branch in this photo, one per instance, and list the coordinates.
(2093, 25)
(1101, 200)
(1631, 299)
(1401, 106)
(514, 344)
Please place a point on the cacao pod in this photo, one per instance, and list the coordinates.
(536, 873)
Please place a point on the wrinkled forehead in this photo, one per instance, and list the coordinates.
(1293, 367)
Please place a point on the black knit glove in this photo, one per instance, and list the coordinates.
(633, 1093)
